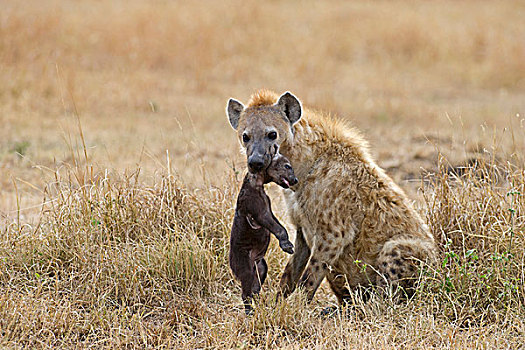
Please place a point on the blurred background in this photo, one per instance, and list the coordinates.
(147, 79)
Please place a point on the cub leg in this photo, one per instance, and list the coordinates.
(266, 219)
(244, 269)
(260, 275)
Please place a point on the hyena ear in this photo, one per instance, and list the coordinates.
(234, 110)
(290, 106)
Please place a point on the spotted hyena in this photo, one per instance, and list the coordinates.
(347, 211)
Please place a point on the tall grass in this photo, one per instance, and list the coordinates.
(110, 249)
(478, 215)
(113, 261)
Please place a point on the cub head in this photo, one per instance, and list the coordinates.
(264, 125)
(281, 172)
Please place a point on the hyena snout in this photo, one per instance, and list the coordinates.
(256, 163)
(259, 158)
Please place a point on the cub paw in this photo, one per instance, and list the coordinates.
(286, 246)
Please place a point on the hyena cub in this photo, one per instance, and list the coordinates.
(253, 222)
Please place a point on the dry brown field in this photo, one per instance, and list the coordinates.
(119, 170)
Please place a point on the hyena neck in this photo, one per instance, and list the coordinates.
(317, 136)
(305, 149)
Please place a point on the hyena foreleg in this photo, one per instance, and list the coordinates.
(322, 258)
(296, 264)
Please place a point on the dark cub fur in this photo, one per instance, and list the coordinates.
(252, 225)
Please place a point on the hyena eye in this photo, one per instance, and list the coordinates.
(288, 167)
(272, 135)
(245, 138)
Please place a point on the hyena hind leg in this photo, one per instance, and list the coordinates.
(340, 287)
(398, 264)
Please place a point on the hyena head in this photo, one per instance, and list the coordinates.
(263, 128)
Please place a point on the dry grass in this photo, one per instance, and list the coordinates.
(129, 249)
(113, 261)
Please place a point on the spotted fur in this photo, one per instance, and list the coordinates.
(347, 211)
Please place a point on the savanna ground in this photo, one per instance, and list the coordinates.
(112, 116)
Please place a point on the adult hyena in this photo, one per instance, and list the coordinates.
(346, 209)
